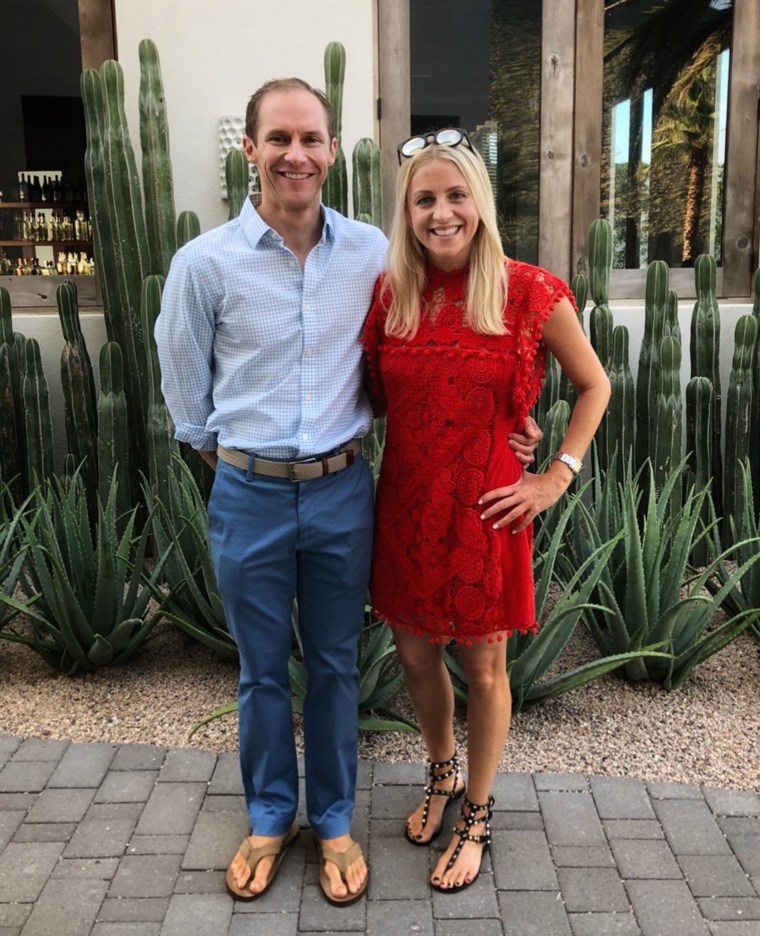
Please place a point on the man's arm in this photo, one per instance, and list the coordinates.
(184, 338)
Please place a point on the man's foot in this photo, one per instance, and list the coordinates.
(443, 787)
(253, 869)
(460, 863)
(343, 872)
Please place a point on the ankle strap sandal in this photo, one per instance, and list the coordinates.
(438, 771)
(471, 814)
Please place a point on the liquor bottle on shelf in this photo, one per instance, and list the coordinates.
(57, 193)
(35, 191)
(23, 188)
(47, 189)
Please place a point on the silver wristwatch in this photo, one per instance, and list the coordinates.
(574, 464)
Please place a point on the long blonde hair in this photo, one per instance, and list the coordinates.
(487, 281)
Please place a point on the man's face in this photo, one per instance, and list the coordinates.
(292, 150)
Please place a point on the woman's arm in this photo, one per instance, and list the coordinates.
(524, 500)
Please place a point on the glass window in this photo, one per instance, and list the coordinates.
(471, 67)
(665, 106)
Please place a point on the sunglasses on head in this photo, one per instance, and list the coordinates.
(449, 136)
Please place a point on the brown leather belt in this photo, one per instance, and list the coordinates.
(305, 470)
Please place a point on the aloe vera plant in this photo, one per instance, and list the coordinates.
(646, 595)
(744, 529)
(180, 532)
(12, 552)
(90, 587)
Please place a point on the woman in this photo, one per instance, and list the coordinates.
(455, 344)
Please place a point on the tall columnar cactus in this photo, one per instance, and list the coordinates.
(237, 174)
(367, 184)
(37, 421)
(161, 443)
(622, 417)
(104, 244)
(188, 227)
(549, 391)
(68, 313)
(667, 438)
(156, 162)
(579, 289)
(79, 397)
(705, 356)
(128, 225)
(647, 378)
(699, 417)
(600, 320)
(739, 426)
(335, 189)
(113, 431)
(11, 453)
(754, 449)
(12, 461)
(554, 428)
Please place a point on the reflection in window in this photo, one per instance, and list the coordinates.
(665, 105)
(473, 67)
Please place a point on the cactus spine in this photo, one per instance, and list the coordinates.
(738, 416)
(335, 189)
(367, 185)
(237, 177)
(156, 162)
(705, 352)
(37, 421)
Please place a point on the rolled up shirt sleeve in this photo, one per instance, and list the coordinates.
(184, 335)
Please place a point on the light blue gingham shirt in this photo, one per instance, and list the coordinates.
(260, 355)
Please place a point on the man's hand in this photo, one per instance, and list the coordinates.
(525, 444)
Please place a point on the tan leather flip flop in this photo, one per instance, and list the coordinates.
(253, 856)
(342, 860)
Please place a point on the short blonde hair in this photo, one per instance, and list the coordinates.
(487, 284)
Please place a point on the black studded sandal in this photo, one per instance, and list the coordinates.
(449, 768)
(470, 818)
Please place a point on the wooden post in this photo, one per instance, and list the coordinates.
(96, 32)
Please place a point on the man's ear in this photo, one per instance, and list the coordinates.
(333, 150)
(249, 148)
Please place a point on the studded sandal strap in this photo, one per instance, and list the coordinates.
(471, 819)
(451, 767)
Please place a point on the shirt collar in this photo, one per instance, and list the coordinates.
(256, 228)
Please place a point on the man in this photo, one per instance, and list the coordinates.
(258, 341)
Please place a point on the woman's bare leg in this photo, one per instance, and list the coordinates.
(429, 686)
(489, 710)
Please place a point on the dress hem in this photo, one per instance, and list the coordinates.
(467, 641)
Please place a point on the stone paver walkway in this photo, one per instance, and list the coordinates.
(133, 841)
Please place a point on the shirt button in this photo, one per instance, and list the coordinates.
(307, 396)
(307, 353)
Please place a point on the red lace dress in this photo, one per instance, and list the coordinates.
(453, 397)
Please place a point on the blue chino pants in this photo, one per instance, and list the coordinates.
(272, 539)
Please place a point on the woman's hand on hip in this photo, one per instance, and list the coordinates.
(522, 501)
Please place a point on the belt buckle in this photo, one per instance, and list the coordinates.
(293, 467)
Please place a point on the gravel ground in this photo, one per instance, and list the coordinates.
(705, 733)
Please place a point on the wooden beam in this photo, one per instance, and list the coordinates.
(556, 136)
(96, 32)
(741, 149)
(587, 150)
(394, 74)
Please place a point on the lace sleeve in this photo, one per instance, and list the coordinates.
(372, 337)
(536, 296)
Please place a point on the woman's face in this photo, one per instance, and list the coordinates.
(442, 214)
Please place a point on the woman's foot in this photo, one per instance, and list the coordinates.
(459, 865)
(445, 784)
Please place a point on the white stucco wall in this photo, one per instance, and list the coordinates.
(214, 56)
